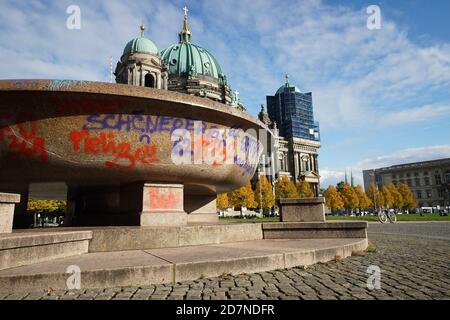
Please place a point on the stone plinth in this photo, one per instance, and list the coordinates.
(7, 203)
(162, 205)
(302, 210)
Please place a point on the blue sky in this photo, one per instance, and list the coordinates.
(381, 96)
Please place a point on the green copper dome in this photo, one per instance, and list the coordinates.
(288, 87)
(185, 58)
(141, 44)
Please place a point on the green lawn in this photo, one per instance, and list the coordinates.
(400, 217)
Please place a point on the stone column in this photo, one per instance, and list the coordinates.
(302, 165)
(317, 163)
(141, 78)
(7, 203)
(163, 205)
(201, 209)
(296, 168)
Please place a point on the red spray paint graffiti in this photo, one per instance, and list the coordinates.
(165, 198)
(123, 155)
(22, 138)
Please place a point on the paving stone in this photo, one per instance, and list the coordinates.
(104, 297)
(34, 296)
(16, 296)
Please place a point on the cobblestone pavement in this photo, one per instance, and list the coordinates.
(432, 230)
(411, 268)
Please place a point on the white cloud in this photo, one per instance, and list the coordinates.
(406, 156)
(414, 115)
(355, 74)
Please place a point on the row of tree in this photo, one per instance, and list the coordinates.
(262, 195)
(391, 196)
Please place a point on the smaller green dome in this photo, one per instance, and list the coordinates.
(141, 45)
(287, 87)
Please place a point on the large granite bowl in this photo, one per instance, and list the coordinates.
(90, 133)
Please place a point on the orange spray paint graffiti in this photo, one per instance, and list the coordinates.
(165, 199)
(124, 156)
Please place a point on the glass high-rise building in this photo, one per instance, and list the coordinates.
(293, 113)
(297, 139)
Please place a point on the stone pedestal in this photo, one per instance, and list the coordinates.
(302, 210)
(201, 209)
(7, 204)
(21, 220)
(162, 205)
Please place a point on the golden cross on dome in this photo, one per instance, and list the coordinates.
(186, 10)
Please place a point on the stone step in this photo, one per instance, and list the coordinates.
(314, 230)
(18, 249)
(166, 265)
(137, 238)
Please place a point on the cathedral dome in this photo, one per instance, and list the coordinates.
(185, 58)
(141, 45)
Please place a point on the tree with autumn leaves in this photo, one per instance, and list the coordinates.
(304, 189)
(243, 197)
(408, 200)
(222, 201)
(333, 199)
(263, 193)
(350, 197)
(364, 201)
(247, 197)
(285, 189)
(374, 196)
(398, 197)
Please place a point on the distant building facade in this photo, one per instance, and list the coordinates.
(297, 139)
(429, 180)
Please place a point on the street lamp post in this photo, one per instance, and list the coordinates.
(374, 195)
(260, 197)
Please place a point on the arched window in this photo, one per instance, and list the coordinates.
(149, 81)
(305, 160)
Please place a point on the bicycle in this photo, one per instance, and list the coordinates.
(383, 217)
